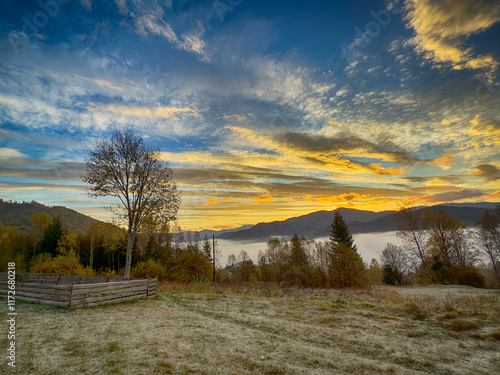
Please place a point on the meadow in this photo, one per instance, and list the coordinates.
(262, 329)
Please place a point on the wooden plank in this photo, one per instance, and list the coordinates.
(44, 302)
(94, 279)
(81, 294)
(74, 279)
(41, 296)
(116, 300)
(111, 296)
(57, 292)
(44, 286)
(115, 279)
(111, 289)
(38, 286)
(105, 285)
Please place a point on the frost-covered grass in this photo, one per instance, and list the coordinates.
(203, 330)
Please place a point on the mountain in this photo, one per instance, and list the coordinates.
(216, 233)
(310, 225)
(18, 214)
(317, 224)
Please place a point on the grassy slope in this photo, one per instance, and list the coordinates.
(305, 332)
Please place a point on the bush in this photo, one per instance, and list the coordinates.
(461, 325)
(190, 265)
(149, 270)
(462, 276)
(61, 265)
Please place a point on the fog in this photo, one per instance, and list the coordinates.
(370, 245)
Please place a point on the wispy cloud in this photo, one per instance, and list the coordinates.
(441, 28)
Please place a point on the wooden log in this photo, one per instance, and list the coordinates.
(94, 279)
(44, 302)
(107, 285)
(80, 294)
(56, 292)
(115, 279)
(73, 279)
(107, 301)
(42, 296)
(117, 300)
(110, 296)
(37, 286)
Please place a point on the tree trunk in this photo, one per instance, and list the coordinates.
(128, 259)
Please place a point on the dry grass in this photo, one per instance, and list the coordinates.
(199, 329)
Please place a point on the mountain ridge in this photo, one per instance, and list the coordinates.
(317, 224)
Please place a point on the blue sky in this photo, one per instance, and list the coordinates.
(265, 110)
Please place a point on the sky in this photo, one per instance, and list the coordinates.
(264, 109)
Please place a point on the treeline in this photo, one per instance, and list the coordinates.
(436, 248)
(46, 246)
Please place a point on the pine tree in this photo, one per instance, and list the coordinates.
(340, 233)
(51, 237)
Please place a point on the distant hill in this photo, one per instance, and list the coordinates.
(317, 224)
(18, 214)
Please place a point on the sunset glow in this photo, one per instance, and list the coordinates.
(265, 110)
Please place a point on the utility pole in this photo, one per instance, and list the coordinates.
(213, 258)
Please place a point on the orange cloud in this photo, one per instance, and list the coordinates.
(341, 198)
(449, 196)
(227, 199)
(211, 202)
(443, 160)
(380, 171)
(264, 198)
(496, 194)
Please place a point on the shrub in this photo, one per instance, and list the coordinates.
(461, 325)
(61, 265)
(149, 269)
(495, 334)
(449, 315)
(190, 265)
(417, 311)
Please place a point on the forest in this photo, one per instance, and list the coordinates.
(436, 249)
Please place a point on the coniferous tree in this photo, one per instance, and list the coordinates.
(340, 233)
(347, 269)
(51, 237)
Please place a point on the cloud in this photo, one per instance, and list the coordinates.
(487, 132)
(443, 162)
(211, 202)
(342, 198)
(442, 26)
(152, 22)
(488, 171)
(265, 198)
(344, 143)
(380, 171)
(449, 196)
(150, 112)
(10, 153)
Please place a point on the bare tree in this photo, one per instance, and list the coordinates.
(125, 168)
(488, 236)
(397, 265)
(448, 240)
(412, 229)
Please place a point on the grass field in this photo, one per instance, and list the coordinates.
(201, 330)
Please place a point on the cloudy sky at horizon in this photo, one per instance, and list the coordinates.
(265, 110)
